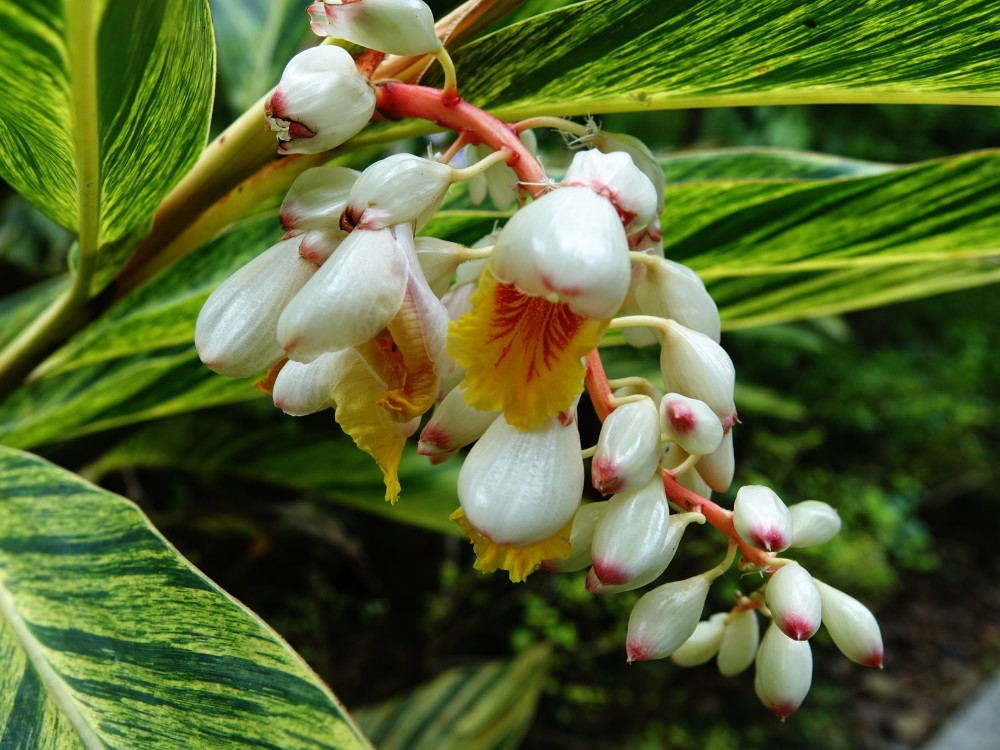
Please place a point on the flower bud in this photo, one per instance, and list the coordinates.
(693, 364)
(615, 176)
(398, 27)
(438, 260)
(316, 199)
(353, 296)
(567, 245)
(320, 102)
(235, 332)
(674, 291)
(784, 672)
(762, 519)
(719, 466)
(813, 523)
(739, 643)
(454, 425)
(703, 643)
(690, 423)
(499, 181)
(664, 618)
(852, 626)
(517, 487)
(794, 602)
(580, 538)
(302, 389)
(655, 563)
(317, 245)
(641, 156)
(399, 189)
(629, 537)
(628, 448)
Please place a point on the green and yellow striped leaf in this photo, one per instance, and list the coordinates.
(606, 56)
(477, 708)
(839, 235)
(106, 106)
(110, 639)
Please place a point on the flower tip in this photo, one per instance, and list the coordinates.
(433, 441)
(875, 660)
(638, 650)
(782, 710)
(769, 538)
(604, 476)
(610, 573)
(798, 628)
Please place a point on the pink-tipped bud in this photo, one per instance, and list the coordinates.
(671, 290)
(320, 102)
(762, 519)
(703, 643)
(629, 537)
(852, 626)
(690, 423)
(579, 539)
(656, 563)
(813, 523)
(628, 448)
(235, 332)
(664, 618)
(399, 27)
(615, 176)
(316, 199)
(641, 156)
(784, 672)
(454, 425)
(302, 388)
(739, 643)
(398, 189)
(693, 364)
(719, 466)
(794, 602)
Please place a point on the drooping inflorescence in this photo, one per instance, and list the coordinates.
(353, 310)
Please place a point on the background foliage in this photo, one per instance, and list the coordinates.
(888, 414)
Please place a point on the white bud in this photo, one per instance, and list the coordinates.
(690, 423)
(784, 672)
(454, 425)
(499, 181)
(615, 176)
(813, 523)
(235, 332)
(641, 156)
(353, 296)
(794, 602)
(674, 291)
(693, 364)
(305, 388)
(438, 260)
(719, 466)
(762, 519)
(739, 643)
(567, 246)
(519, 487)
(703, 643)
(316, 199)
(320, 102)
(629, 537)
(579, 539)
(852, 626)
(398, 189)
(399, 27)
(664, 618)
(628, 448)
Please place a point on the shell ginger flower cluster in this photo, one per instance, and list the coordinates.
(493, 346)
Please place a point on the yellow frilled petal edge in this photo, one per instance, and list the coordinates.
(359, 413)
(522, 354)
(518, 560)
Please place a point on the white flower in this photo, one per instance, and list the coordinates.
(794, 602)
(580, 540)
(693, 364)
(398, 189)
(784, 672)
(718, 467)
(628, 448)
(813, 523)
(615, 176)
(664, 618)
(320, 102)
(739, 643)
(629, 537)
(399, 27)
(316, 199)
(690, 423)
(673, 291)
(305, 388)
(762, 519)
(703, 644)
(852, 626)
(454, 425)
(641, 156)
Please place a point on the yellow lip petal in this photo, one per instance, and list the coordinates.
(519, 560)
(522, 354)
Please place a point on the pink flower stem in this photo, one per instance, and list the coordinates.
(396, 101)
(722, 519)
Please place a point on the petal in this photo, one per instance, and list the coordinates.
(522, 354)
(399, 27)
(519, 560)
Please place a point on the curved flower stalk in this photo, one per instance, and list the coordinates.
(353, 310)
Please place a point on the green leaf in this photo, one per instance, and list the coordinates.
(111, 639)
(481, 708)
(284, 455)
(106, 106)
